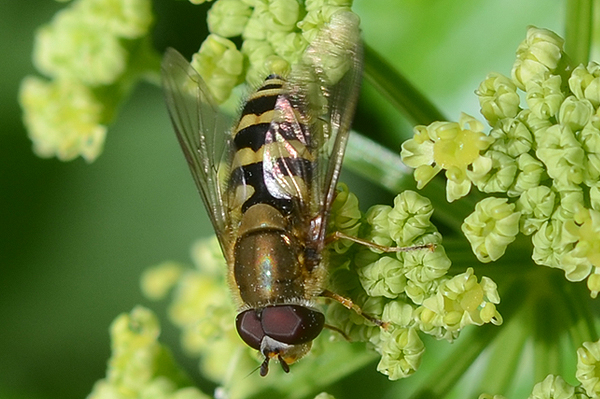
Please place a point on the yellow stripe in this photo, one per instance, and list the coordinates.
(272, 81)
(265, 93)
(294, 186)
(252, 119)
(246, 156)
(267, 117)
(239, 195)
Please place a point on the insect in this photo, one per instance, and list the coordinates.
(268, 184)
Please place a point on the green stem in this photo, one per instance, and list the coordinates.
(546, 318)
(578, 30)
(506, 354)
(377, 164)
(516, 261)
(398, 90)
(144, 62)
(582, 323)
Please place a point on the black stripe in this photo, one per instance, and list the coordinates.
(271, 82)
(296, 167)
(270, 86)
(252, 136)
(286, 130)
(260, 105)
(252, 175)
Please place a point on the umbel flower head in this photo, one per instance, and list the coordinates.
(275, 35)
(140, 366)
(98, 49)
(446, 145)
(410, 291)
(91, 53)
(539, 164)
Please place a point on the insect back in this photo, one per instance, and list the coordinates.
(282, 159)
(270, 181)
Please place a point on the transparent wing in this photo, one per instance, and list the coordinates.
(342, 98)
(203, 135)
(287, 159)
(325, 88)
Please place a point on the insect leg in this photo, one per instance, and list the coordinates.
(337, 330)
(347, 302)
(337, 235)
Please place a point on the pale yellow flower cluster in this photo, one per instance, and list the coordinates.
(542, 161)
(275, 35)
(86, 51)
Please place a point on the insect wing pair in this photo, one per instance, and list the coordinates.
(269, 181)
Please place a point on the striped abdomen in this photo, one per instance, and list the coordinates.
(270, 175)
(272, 163)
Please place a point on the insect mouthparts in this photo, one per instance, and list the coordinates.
(264, 367)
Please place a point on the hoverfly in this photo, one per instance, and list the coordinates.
(281, 163)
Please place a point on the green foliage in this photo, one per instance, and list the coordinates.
(536, 172)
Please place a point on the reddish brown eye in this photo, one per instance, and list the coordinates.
(249, 328)
(292, 324)
(288, 324)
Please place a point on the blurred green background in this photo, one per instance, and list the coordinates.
(74, 237)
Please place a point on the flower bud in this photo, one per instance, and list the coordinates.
(585, 83)
(588, 367)
(63, 118)
(491, 227)
(575, 113)
(498, 98)
(72, 48)
(220, 64)
(539, 53)
(544, 96)
(228, 18)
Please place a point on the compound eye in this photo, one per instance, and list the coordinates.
(249, 328)
(292, 324)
